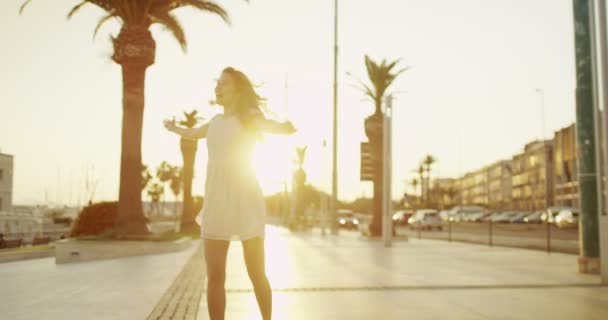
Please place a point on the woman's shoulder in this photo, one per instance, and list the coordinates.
(216, 117)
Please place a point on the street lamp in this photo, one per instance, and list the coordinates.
(334, 175)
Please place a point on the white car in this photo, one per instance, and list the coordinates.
(426, 219)
(347, 219)
(567, 219)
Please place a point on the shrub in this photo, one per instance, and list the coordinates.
(95, 219)
(197, 205)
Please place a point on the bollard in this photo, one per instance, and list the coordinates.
(449, 230)
(548, 234)
(490, 225)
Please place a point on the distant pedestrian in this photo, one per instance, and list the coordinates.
(234, 203)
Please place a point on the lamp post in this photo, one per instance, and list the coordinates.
(602, 122)
(387, 227)
(334, 175)
(583, 13)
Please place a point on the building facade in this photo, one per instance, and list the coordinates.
(6, 182)
(500, 180)
(566, 175)
(533, 177)
(489, 186)
(444, 193)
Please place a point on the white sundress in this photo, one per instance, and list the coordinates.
(233, 205)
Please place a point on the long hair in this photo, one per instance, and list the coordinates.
(248, 104)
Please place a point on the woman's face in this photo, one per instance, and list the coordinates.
(225, 90)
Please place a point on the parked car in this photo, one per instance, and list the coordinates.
(504, 217)
(478, 217)
(519, 217)
(347, 219)
(567, 219)
(401, 217)
(491, 215)
(445, 215)
(550, 213)
(425, 219)
(534, 217)
(464, 213)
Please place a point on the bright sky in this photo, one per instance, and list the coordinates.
(476, 65)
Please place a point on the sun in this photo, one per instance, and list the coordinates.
(273, 163)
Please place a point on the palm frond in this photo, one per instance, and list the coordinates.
(23, 6)
(166, 19)
(203, 6)
(106, 5)
(76, 8)
(102, 21)
(380, 76)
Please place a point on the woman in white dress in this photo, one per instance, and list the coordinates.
(233, 203)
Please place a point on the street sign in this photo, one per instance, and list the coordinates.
(367, 165)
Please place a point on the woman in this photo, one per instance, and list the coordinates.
(234, 204)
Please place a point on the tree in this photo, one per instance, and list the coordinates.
(145, 176)
(414, 183)
(381, 76)
(175, 184)
(135, 50)
(189, 149)
(155, 191)
(427, 162)
(165, 173)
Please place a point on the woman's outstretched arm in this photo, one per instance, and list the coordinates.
(275, 127)
(187, 133)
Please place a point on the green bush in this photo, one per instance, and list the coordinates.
(197, 204)
(95, 219)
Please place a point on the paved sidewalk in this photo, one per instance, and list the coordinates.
(315, 277)
(126, 288)
(345, 277)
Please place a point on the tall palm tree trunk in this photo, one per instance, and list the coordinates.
(134, 50)
(130, 218)
(188, 148)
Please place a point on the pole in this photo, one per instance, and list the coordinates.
(548, 230)
(588, 260)
(596, 103)
(603, 94)
(334, 174)
(387, 231)
(490, 233)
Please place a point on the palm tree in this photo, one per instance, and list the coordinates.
(155, 191)
(420, 172)
(381, 76)
(414, 183)
(145, 176)
(175, 184)
(428, 161)
(135, 50)
(165, 173)
(188, 149)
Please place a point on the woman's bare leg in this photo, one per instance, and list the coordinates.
(253, 250)
(215, 258)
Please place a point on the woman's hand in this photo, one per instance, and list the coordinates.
(170, 124)
(289, 128)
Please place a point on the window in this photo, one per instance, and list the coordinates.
(1, 174)
(1, 209)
